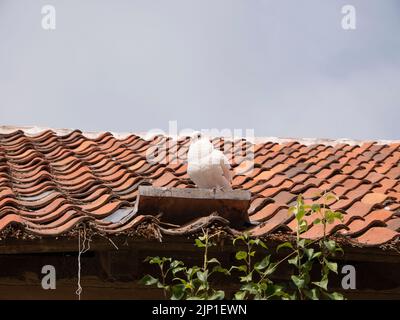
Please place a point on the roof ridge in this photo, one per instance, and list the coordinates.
(35, 130)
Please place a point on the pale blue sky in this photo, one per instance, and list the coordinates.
(282, 68)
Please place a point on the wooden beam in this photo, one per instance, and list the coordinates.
(179, 206)
(169, 244)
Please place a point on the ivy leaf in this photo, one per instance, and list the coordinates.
(332, 266)
(309, 253)
(330, 196)
(258, 242)
(148, 280)
(178, 269)
(334, 295)
(247, 278)
(303, 226)
(317, 221)
(330, 245)
(302, 243)
(311, 294)
(271, 269)
(240, 295)
(217, 295)
(294, 260)
(195, 298)
(154, 260)
(199, 243)
(237, 239)
(176, 263)
(214, 260)
(315, 207)
(241, 255)
(202, 276)
(300, 214)
(161, 286)
(284, 245)
(243, 268)
(262, 264)
(298, 281)
(322, 284)
(178, 291)
(221, 270)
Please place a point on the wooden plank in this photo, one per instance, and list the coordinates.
(179, 206)
(183, 244)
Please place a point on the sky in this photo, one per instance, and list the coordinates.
(282, 68)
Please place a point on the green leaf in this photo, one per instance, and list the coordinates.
(199, 244)
(316, 255)
(241, 255)
(240, 295)
(330, 245)
(240, 268)
(247, 278)
(334, 295)
(250, 287)
(202, 276)
(322, 284)
(311, 294)
(214, 260)
(298, 281)
(154, 260)
(284, 245)
(271, 269)
(178, 269)
(262, 264)
(315, 207)
(178, 292)
(161, 286)
(303, 226)
(217, 295)
(332, 266)
(300, 214)
(148, 280)
(195, 298)
(317, 221)
(176, 263)
(330, 196)
(294, 260)
(258, 242)
(309, 253)
(301, 243)
(221, 270)
(237, 239)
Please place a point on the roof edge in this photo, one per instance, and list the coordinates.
(35, 130)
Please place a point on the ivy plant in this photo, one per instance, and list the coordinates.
(190, 283)
(255, 265)
(306, 252)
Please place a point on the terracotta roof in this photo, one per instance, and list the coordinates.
(51, 182)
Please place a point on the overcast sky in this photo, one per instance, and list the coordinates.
(282, 68)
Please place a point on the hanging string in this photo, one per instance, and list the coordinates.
(83, 247)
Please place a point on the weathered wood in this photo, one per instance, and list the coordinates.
(168, 244)
(183, 205)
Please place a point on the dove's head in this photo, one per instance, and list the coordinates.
(196, 135)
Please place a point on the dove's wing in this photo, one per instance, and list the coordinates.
(226, 168)
(208, 167)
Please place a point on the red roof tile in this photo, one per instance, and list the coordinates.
(49, 183)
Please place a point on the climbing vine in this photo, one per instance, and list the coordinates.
(255, 267)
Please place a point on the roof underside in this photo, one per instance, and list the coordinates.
(52, 182)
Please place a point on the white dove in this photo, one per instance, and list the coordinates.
(207, 167)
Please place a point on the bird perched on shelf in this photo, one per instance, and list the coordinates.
(208, 167)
